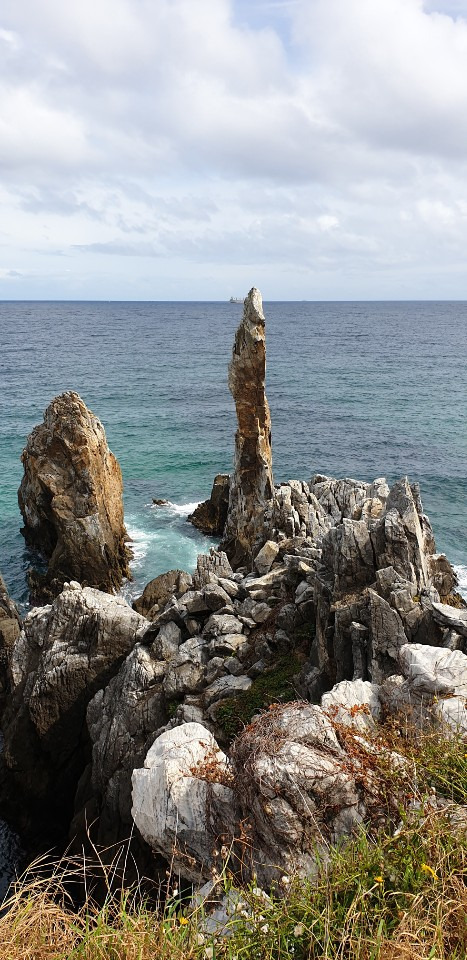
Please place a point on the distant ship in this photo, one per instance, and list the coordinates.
(236, 300)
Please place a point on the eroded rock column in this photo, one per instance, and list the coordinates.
(71, 501)
(251, 488)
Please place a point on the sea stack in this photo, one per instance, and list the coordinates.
(71, 501)
(252, 484)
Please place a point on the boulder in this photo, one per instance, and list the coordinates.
(183, 804)
(434, 670)
(354, 703)
(210, 516)
(432, 689)
(185, 672)
(210, 567)
(450, 617)
(251, 486)
(288, 764)
(71, 501)
(266, 556)
(226, 687)
(158, 591)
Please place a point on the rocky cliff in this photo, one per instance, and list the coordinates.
(71, 501)
(251, 484)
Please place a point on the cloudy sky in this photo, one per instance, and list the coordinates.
(187, 149)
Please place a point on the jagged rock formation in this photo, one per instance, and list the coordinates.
(330, 591)
(300, 777)
(93, 685)
(251, 486)
(71, 501)
(65, 652)
(211, 515)
(375, 585)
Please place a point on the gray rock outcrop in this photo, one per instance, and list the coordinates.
(251, 485)
(71, 501)
(64, 654)
(375, 585)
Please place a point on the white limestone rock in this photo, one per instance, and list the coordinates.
(292, 769)
(178, 806)
(355, 703)
(434, 670)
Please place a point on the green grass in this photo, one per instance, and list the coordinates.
(274, 686)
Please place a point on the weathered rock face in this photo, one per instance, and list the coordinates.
(71, 501)
(10, 626)
(211, 515)
(375, 586)
(157, 592)
(251, 487)
(64, 654)
(183, 801)
(294, 786)
(432, 689)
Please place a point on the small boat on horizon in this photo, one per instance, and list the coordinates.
(237, 300)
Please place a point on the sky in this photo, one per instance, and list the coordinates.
(190, 149)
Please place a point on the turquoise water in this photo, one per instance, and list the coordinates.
(355, 389)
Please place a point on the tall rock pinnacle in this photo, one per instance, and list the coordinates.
(252, 484)
(71, 500)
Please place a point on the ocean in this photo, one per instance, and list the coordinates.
(356, 389)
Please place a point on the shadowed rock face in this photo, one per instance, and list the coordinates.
(71, 501)
(10, 626)
(251, 488)
(210, 516)
(65, 653)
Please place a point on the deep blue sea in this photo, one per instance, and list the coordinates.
(356, 389)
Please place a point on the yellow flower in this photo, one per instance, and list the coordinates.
(427, 869)
(183, 921)
(378, 879)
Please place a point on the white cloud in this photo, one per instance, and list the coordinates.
(296, 138)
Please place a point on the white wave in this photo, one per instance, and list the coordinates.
(140, 541)
(179, 509)
(461, 571)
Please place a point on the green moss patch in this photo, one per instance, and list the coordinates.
(275, 686)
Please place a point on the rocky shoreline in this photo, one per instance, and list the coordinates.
(326, 599)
